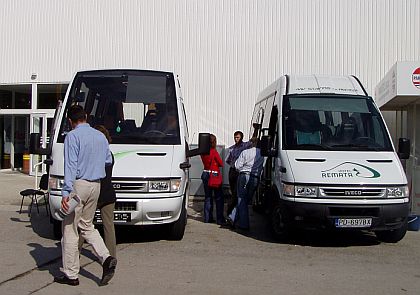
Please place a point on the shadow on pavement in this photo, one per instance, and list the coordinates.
(260, 230)
(135, 234)
(40, 223)
(21, 220)
(195, 210)
(47, 258)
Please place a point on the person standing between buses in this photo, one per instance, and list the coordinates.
(233, 154)
(249, 165)
(211, 163)
(86, 152)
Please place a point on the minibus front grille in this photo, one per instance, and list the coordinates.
(130, 187)
(346, 192)
(125, 206)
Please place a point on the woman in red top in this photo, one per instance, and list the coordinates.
(211, 163)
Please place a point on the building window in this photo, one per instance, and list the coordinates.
(5, 99)
(49, 94)
(15, 96)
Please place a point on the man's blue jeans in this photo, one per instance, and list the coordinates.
(247, 184)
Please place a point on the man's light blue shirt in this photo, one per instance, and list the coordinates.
(86, 152)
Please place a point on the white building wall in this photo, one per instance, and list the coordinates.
(224, 51)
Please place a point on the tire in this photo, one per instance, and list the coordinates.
(56, 228)
(393, 235)
(177, 229)
(279, 223)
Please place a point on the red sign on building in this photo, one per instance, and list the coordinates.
(416, 78)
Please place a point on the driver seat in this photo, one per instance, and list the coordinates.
(348, 129)
(308, 127)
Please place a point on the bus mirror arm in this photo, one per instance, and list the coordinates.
(185, 165)
(35, 145)
(203, 146)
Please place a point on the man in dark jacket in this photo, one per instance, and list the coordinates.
(234, 152)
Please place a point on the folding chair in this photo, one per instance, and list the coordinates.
(34, 193)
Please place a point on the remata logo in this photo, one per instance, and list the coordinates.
(350, 170)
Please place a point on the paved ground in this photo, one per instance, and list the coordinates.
(209, 260)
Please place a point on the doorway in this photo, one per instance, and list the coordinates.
(14, 141)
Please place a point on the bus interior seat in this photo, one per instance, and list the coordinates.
(308, 127)
(326, 133)
(348, 130)
(128, 125)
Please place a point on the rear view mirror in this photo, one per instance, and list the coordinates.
(203, 146)
(404, 148)
(35, 145)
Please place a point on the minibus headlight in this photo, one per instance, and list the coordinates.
(306, 191)
(397, 192)
(159, 185)
(164, 185)
(288, 189)
(55, 183)
(175, 184)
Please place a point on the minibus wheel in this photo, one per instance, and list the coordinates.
(280, 226)
(393, 235)
(177, 229)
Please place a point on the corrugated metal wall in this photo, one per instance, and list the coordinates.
(224, 51)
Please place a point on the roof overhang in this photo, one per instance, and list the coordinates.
(400, 87)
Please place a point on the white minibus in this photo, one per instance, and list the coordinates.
(329, 159)
(145, 116)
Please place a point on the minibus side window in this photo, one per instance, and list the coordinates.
(256, 117)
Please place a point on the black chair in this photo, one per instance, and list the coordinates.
(34, 193)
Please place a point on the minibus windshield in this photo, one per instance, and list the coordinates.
(333, 123)
(137, 107)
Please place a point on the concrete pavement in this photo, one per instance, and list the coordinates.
(209, 260)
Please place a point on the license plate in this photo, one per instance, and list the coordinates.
(120, 217)
(353, 222)
(125, 217)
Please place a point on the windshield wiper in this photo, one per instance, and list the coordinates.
(358, 146)
(312, 145)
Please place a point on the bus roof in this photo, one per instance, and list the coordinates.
(315, 84)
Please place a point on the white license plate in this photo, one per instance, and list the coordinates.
(119, 217)
(353, 222)
(124, 217)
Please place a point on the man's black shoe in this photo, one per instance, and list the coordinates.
(108, 269)
(65, 280)
(230, 223)
(222, 222)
